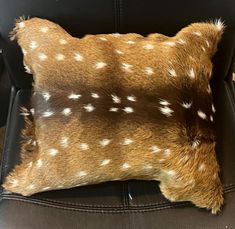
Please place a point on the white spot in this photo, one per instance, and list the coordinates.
(127, 141)
(170, 43)
(42, 56)
(126, 67)
(82, 173)
(186, 158)
(78, 57)
(67, 111)
(196, 143)
(219, 24)
(128, 110)
(126, 166)
(84, 146)
(33, 45)
(207, 43)
(14, 182)
(39, 163)
(103, 38)
(201, 114)
(148, 167)
(64, 142)
(192, 182)
(53, 152)
(166, 111)
(119, 52)
(164, 102)
(191, 73)
(131, 98)
(202, 167)
(30, 164)
(149, 71)
(32, 186)
(130, 196)
(95, 95)
(44, 29)
(105, 142)
(155, 149)
(100, 65)
(203, 48)
(27, 69)
(208, 89)
(46, 95)
(21, 24)
(63, 42)
(25, 113)
(32, 111)
(60, 57)
(116, 34)
(74, 96)
(187, 105)
(113, 109)
(197, 33)
(213, 108)
(171, 172)
(130, 42)
(211, 118)
(191, 58)
(172, 72)
(81, 184)
(148, 46)
(89, 107)
(161, 160)
(47, 114)
(105, 162)
(34, 143)
(24, 51)
(116, 99)
(46, 188)
(181, 41)
(167, 152)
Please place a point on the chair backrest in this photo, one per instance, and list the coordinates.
(80, 17)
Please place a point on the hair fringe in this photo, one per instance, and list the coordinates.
(218, 23)
(28, 138)
(14, 32)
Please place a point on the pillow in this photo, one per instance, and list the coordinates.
(117, 107)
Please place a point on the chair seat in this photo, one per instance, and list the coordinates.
(118, 204)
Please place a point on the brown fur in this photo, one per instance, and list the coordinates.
(185, 164)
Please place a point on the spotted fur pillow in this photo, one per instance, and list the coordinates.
(116, 107)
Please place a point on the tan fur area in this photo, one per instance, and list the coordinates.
(118, 107)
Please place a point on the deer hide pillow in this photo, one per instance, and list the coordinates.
(116, 107)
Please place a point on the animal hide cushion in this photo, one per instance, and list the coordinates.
(117, 107)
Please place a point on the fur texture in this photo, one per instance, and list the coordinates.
(117, 107)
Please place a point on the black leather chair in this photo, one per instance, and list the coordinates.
(129, 204)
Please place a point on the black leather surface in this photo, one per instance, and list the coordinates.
(5, 88)
(129, 204)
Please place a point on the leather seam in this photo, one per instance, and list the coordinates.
(5, 155)
(114, 210)
(230, 96)
(120, 14)
(115, 15)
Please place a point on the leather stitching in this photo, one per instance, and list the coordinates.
(114, 210)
